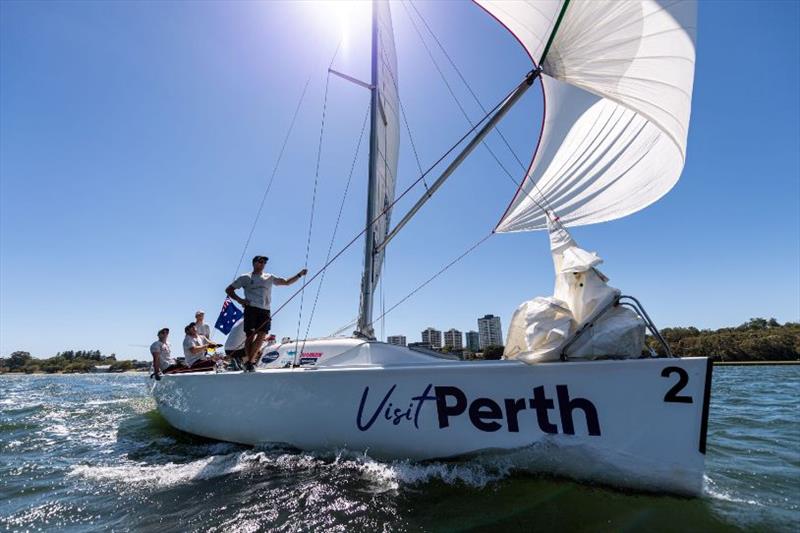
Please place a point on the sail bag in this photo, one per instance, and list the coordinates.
(540, 328)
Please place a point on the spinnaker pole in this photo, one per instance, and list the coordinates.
(512, 99)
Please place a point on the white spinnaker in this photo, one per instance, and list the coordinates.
(387, 132)
(618, 82)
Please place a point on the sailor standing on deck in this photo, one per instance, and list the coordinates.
(257, 287)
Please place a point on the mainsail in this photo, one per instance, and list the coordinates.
(384, 147)
(617, 79)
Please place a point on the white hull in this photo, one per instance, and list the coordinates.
(631, 423)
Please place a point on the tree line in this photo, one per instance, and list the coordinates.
(66, 362)
(758, 339)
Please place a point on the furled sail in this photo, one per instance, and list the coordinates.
(387, 130)
(617, 78)
(384, 148)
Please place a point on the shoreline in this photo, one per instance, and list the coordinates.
(716, 363)
(754, 363)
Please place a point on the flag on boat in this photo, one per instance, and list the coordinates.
(228, 316)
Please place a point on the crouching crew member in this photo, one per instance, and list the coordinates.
(163, 362)
(194, 348)
(257, 287)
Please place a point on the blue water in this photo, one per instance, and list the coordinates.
(86, 453)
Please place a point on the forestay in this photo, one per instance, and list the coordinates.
(617, 81)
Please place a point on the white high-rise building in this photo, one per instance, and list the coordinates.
(490, 333)
(397, 340)
(453, 339)
(432, 337)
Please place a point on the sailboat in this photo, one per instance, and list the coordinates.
(573, 393)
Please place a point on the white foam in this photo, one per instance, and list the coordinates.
(166, 475)
(710, 489)
(107, 402)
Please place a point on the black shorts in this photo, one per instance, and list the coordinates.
(256, 320)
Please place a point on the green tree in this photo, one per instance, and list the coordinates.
(493, 352)
(17, 360)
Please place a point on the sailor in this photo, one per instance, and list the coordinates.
(257, 287)
(202, 328)
(163, 362)
(194, 348)
(234, 345)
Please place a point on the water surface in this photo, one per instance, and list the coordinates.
(90, 452)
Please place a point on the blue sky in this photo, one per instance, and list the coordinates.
(136, 139)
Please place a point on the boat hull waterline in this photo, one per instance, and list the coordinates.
(632, 423)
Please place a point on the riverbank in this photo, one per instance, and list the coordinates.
(144, 371)
(754, 363)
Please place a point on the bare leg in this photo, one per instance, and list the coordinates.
(248, 345)
(258, 341)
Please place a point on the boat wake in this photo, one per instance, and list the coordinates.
(216, 460)
(229, 459)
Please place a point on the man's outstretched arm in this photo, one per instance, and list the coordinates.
(293, 279)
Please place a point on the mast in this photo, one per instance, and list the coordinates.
(364, 326)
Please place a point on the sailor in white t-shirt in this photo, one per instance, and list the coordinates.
(257, 287)
(199, 322)
(194, 348)
(162, 354)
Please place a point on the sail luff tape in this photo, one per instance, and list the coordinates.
(553, 34)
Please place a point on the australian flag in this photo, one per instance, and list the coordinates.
(228, 316)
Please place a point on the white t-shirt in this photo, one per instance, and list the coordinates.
(236, 337)
(257, 288)
(204, 330)
(188, 343)
(164, 354)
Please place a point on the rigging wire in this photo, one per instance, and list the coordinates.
(383, 300)
(336, 225)
(436, 275)
(314, 194)
(397, 199)
(441, 271)
(449, 87)
(465, 82)
(272, 177)
(547, 208)
(411, 139)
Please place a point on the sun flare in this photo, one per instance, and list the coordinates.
(342, 17)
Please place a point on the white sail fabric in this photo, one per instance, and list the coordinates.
(540, 328)
(387, 131)
(617, 81)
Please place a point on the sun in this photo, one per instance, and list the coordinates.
(342, 17)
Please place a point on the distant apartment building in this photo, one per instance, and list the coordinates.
(433, 337)
(424, 345)
(454, 339)
(490, 333)
(473, 341)
(398, 340)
